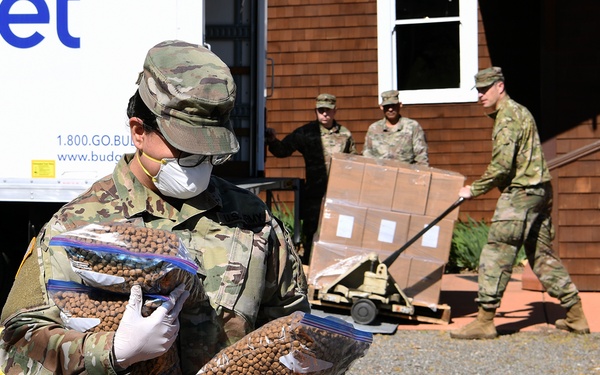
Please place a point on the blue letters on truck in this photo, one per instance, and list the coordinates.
(41, 17)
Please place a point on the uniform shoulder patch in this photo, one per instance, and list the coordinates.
(27, 254)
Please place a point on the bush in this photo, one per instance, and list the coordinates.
(285, 214)
(468, 240)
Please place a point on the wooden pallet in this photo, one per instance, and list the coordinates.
(424, 313)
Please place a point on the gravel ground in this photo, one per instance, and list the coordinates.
(434, 352)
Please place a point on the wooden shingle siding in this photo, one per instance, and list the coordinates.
(575, 103)
(320, 46)
(576, 216)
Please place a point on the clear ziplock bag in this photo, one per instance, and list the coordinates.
(84, 308)
(295, 344)
(115, 256)
(87, 309)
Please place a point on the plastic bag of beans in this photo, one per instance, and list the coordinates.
(84, 308)
(295, 344)
(115, 256)
(87, 309)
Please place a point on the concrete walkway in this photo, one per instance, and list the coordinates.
(521, 310)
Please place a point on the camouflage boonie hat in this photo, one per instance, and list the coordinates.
(325, 101)
(488, 77)
(390, 97)
(192, 93)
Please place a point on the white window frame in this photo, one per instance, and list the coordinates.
(387, 64)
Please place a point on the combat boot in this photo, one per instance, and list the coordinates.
(481, 328)
(575, 321)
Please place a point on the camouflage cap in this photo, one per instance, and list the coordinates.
(489, 76)
(192, 93)
(326, 101)
(390, 97)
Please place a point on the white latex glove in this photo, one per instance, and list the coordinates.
(465, 192)
(141, 338)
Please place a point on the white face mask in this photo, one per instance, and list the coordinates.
(175, 181)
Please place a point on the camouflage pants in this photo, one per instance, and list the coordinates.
(522, 218)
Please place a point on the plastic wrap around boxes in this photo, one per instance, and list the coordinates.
(376, 205)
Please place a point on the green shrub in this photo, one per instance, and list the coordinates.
(281, 211)
(468, 239)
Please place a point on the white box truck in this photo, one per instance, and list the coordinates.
(68, 68)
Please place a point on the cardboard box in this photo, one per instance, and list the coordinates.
(400, 270)
(342, 223)
(366, 182)
(435, 243)
(423, 282)
(385, 230)
(377, 190)
(412, 190)
(443, 192)
(345, 178)
(358, 218)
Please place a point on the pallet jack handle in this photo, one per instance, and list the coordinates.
(389, 260)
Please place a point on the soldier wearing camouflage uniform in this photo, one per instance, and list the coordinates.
(249, 270)
(316, 141)
(396, 137)
(523, 213)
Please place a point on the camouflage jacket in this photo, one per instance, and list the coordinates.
(250, 272)
(316, 144)
(517, 155)
(405, 142)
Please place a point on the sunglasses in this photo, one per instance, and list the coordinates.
(483, 90)
(187, 160)
(324, 110)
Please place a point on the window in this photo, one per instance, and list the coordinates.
(428, 49)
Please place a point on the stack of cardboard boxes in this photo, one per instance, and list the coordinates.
(376, 205)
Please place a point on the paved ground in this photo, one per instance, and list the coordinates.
(521, 310)
(528, 341)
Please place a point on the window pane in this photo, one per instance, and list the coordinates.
(409, 9)
(428, 56)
